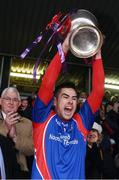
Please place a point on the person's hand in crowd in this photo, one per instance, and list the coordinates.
(11, 119)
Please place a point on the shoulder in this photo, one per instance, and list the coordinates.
(24, 120)
(24, 125)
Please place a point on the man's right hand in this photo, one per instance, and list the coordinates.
(11, 119)
(65, 44)
(98, 55)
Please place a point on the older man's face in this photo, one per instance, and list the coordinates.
(10, 102)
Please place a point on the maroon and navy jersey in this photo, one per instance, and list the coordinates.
(60, 147)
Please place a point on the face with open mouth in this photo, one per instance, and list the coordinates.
(66, 103)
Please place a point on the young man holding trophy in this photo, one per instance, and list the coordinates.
(59, 131)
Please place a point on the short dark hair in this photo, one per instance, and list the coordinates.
(64, 85)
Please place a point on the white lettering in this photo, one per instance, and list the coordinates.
(63, 139)
(55, 138)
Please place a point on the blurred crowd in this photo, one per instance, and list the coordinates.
(102, 160)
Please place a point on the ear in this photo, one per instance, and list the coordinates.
(54, 103)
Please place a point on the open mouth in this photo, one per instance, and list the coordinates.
(68, 110)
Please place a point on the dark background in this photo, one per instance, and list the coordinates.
(21, 21)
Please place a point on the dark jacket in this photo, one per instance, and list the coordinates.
(12, 168)
(24, 140)
(99, 164)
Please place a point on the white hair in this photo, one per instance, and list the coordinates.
(10, 89)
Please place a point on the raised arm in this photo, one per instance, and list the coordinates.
(45, 92)
(98, 77)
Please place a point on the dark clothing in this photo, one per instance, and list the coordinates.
(23, 147)
(12, 168)
(93, 163)
(27, 113)
(99, 164)
(113, 121)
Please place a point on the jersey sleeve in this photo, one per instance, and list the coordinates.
(44, 100)
(92, 104)
(87, 116)
(45, 92)
(97, 93)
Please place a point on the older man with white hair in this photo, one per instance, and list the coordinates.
(18, 128)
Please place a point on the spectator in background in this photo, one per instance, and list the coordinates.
(25, 109)
(16, 127)
(115, 100)
(108, 130)
(107, 97)
(82, 98)
(113, 121)
(99, 163)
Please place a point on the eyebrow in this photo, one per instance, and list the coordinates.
(9, 97)
(64, 94)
